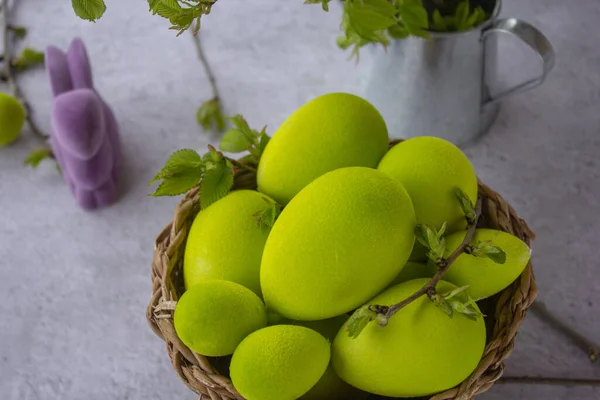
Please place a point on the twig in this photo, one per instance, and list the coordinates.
(241, 165)
(206, 65)
(533, 380)
(429, 288)
(7, 72)
(587, 345)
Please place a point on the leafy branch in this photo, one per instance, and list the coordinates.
(186, 169)
(379, 21)
(11, 65)
(26, 59)
(443, 264)
(376, 21)
(213, 171)
(182, 14)
(447, 302)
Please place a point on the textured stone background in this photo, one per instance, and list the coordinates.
(74, 285)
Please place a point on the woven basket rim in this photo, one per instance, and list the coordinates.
(508, 308)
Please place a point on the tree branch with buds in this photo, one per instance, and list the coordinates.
(443, 265)
(435, 243)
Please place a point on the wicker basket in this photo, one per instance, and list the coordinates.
(206, 376)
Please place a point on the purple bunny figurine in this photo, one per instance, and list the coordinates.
(85, 135)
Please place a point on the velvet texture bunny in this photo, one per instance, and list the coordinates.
(85, 135)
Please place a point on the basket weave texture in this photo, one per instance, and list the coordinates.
(505, 311)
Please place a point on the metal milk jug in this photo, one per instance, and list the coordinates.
(441, 86)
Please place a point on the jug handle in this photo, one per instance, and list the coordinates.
(534, 39)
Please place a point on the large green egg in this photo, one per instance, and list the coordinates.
(484, 276)
(338, 243)
(420, 352)
(331, 131)
(431, 169)
(226, 241)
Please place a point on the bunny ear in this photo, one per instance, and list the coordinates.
(58, 71)
(79, 65)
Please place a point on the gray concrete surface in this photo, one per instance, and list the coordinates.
(74, 285)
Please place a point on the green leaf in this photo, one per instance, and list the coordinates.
(398, 32)
(344, 42)
(242, 138)
(359, 320)
(180, 162)
(215, 155)
(182, 171)
(415, 19)
(466, 205)
(90, 10)
(27, 59)
(432, 240)
(184, 19)
(421, 235)
(269, 215)
(485, 249)
(413, 16)
(354, 38)
(494, 253)
(365, 21)
(471, 20)
(210, 115)
(455, 292)
(431, 237)
(215, 184)
(264, 140)
(242, 125)
(382, 7)
(440, 249)
(462, 11)
(498, 256)
(438, 22)
(234, 141)
(442, 304)
(164, 9)
(209, 164)
(35, 157)
(457, 302)
(173, 4)
(153, 4)
(441, 231)
(467, 308)
(178, 183)
(181, 14)
(368, 19)
(18, 31)
(482, 16)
